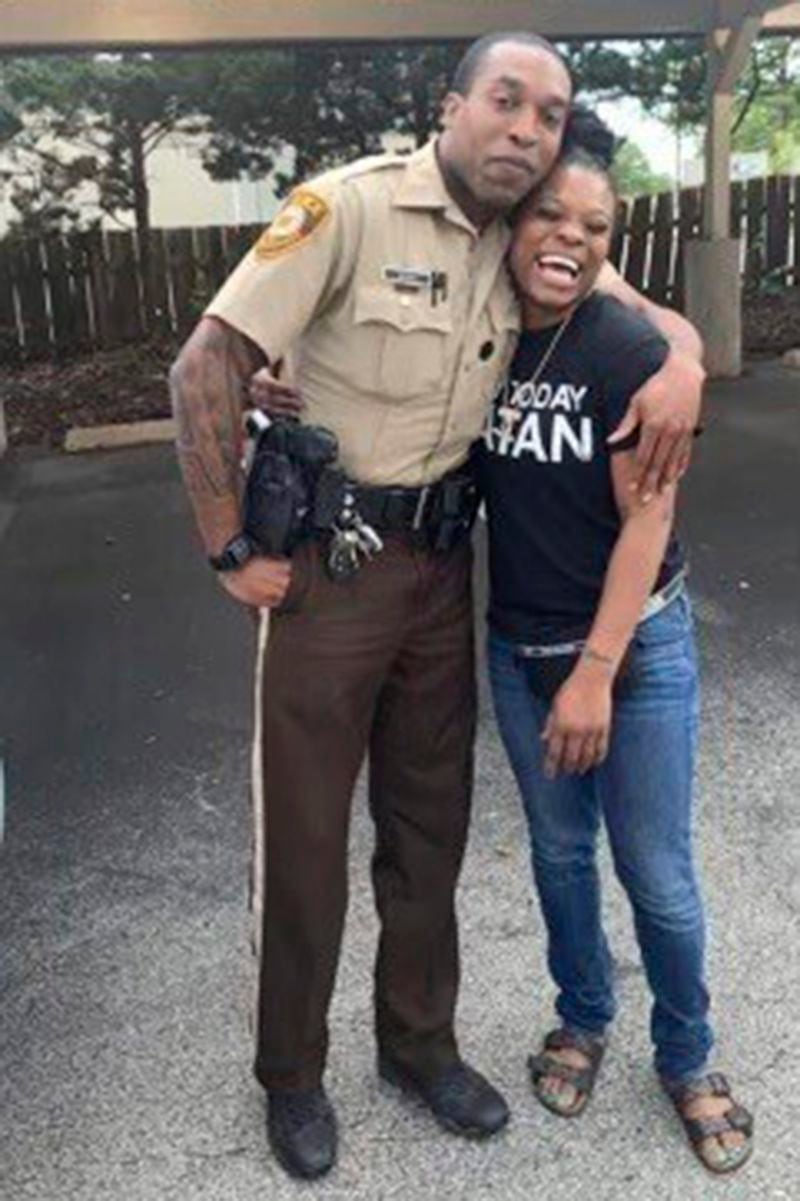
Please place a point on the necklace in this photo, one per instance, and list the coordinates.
(510, 413)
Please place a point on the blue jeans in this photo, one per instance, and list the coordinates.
(643, 791)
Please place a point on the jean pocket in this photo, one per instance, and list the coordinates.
(501, 657)
(672, 625)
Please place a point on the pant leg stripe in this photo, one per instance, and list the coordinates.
(258, 816)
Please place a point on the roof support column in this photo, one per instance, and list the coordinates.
(717, 207)
(713, 276)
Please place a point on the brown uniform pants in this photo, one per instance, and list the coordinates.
(382, 663)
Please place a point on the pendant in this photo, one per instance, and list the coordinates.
(509, 416)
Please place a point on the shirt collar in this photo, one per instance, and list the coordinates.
(423, 187)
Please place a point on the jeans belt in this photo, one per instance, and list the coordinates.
(655, 603)
(659, 600)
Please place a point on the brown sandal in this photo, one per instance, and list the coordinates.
(582, 1079)
(735, 1120)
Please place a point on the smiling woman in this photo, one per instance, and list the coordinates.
(592, 661)
(562, 239)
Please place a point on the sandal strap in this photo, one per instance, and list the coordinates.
(593, 1047)
(736, 1120)
(714, 1084)
(581, 1079)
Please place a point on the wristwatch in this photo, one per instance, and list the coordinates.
(233, 555)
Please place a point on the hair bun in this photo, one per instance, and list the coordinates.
(587, 132)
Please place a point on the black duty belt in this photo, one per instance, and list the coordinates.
(437, 515)
(407, 510)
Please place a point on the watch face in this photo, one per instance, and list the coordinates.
(239, 550)
(235, 554)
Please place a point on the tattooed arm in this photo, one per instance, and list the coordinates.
(208, 385)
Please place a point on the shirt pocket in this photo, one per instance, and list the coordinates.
(412, 339)
(506, 321)
(488, 355)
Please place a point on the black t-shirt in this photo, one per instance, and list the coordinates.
(545, 470)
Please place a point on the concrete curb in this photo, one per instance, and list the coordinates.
(110, 437)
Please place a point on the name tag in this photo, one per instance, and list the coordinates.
(409, 279)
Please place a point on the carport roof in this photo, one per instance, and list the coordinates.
(53, 23)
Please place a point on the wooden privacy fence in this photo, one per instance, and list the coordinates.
(652, 231)
(75, 292)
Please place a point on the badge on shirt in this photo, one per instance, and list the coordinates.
(303, 212)
(408, 279)
(414, 279)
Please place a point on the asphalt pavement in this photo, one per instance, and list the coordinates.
(125, 978)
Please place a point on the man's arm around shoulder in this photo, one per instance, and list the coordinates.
(668, 406)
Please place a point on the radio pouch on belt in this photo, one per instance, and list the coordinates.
(281, 483)
(456, 511)
(329, 499)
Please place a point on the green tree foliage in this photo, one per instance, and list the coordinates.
(10, 124)
(670, 79)
(87, 126)
(324, 103)
(331, 103)
(769, 112)
(77, 122)
(91, 123)
(633, 174)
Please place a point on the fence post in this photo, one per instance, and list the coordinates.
(31, 291)
(777, 224)
(688, 226)
(637, 245)
(661, 258)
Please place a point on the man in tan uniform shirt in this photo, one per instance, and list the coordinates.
(399, 371)
(385, 283)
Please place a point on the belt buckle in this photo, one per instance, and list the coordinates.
(422, 503)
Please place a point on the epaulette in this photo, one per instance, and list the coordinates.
(361, 166)
(373, 162)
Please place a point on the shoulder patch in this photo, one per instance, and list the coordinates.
(303, 212)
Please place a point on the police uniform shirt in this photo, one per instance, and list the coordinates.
(544, 468)
(398, 313)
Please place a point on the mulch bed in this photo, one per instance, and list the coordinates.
(771, 322)
(43, 400)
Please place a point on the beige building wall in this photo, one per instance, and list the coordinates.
(181, 193)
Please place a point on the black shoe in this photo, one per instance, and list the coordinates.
(301, 1127)
(458, 1096)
